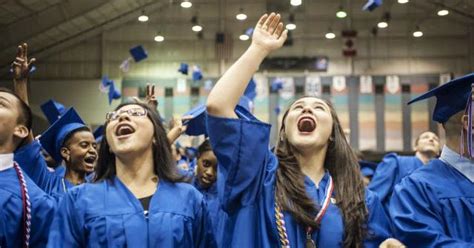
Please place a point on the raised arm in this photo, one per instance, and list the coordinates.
(268, 36)
(21, 69)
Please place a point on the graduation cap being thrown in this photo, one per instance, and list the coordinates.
(52, 110)
(453, 97)
(197, 73)
(183, 68)
(113, 93)
(371, 5)
(138, 53)
(54, 137)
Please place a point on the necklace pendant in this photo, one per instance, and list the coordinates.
(310, 243)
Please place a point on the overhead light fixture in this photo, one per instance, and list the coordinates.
(196, 27)
(443, 12)
(385, 19)
(330, 35)
(291, 23)
(143, 17)
(241, 16)
(296, 2)
(159, 38)
(418, 33)
(403, 1)
(186, 4)
(341, 13)
(244, 37)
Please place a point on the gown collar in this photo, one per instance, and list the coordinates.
(6, 161)
(460, 163)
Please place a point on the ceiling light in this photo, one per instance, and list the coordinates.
(291, 26)
(443, 12)
(197, 28)
(403, 1)
(341, 13)
(241, 15)
(143, 17)
(159, 38)
(244, 37)
(382, 24)
(330, 35)
(418, 33)
(186, 4)
(296, 2)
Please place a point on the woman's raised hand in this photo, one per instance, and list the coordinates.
(269, 33)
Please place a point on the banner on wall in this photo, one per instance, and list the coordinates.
(339, 83)
(288, 88)
(181, 85)
(366, 84)
(313, 86)
(393, 84)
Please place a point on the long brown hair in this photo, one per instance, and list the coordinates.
(341, 162)
(163, 165)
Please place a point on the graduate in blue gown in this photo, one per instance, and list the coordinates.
(394, 167)
(138, 199)
(25, 210)
(205, 181)
(434, 206)
(68, 139)
(310, 192)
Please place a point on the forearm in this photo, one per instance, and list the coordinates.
(173, 135)
(21, 89)
(230, 87)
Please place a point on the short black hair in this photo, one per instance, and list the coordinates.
(204, 147)
(25, 117)
(69, 135)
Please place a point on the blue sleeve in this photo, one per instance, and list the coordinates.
(241, 147)
(384, 179)
(415, 218)
(42, 214)
(203, 228)
(32, 162)
(379, 227)
(67, 229)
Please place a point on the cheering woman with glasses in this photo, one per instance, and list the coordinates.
(310, 192)
(138, 198)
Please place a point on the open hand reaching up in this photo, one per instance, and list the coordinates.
(269, 33)
(21, 66)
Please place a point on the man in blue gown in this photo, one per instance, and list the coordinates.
(26, 211)
(434, 206)
(394, 167)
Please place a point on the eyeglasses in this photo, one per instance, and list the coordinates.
(114, 115)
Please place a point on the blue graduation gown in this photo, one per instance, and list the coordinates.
(107, 214)
(434, 207)
(217, 215)
(389, 173)
(33, 163)
(11, 213)
(246, 188)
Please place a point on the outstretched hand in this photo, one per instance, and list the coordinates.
(150, 95)
(21, 66)
(269, 33)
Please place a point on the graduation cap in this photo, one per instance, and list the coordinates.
(53, 138)
(371, 5)
(52, 110)
(138, 54)
(106, 82)
(113, 94)
(367, 168)
(197, 124)
(197, 73)
(183, 68)
(99, 133)
(453, 97)
(249, 32)
(276, 85)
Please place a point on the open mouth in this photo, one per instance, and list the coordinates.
(306, 124)
(124, 130)
(90, 159)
